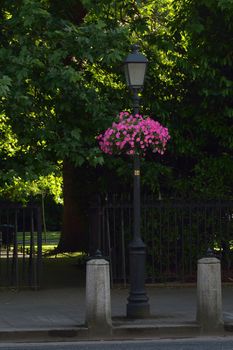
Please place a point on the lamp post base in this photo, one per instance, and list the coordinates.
(138, 310)
(138, 306)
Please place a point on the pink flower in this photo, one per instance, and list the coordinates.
(132, 134)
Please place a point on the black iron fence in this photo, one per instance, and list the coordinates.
(176, 233)
(20, 245)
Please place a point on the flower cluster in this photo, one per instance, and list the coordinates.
(134, 135)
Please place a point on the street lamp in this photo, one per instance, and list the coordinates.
(137, 306)
(135, 69)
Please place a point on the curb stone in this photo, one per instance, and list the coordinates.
(123, 332)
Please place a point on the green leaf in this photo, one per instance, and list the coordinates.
(75, 133)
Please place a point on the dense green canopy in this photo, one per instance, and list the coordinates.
(202, 38)
(61, 83)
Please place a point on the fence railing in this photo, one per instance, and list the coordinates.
(20, 245)
(176, 233)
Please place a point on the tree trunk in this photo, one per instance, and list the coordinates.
(75, 229)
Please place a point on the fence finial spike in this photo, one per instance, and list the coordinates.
(209, 253)
(98, 254)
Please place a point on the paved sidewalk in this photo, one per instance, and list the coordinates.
(27, 314)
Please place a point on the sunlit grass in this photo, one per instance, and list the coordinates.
(48, 246)
(52, 238)
(79, 255)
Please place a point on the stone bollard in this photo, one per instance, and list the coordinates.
(209, 294)
(98, 300)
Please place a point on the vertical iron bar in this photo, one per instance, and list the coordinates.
(24, 246)
(15, 252)
(190, 242)
(206, 238)
(39, 247)
(152, 223)
(31, 257)
(123, 246)
(182, 244)
(168, 243)
(213, 238)
(176, 238)
(160, 244)
(227, 238)
(109, 245)
(9, 278)
(115, 274)
(102, 229)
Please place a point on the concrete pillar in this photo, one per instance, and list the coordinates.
(209, 294)
(98, 300)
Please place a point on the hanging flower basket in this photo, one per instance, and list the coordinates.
(134, 135)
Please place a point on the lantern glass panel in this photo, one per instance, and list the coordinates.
(136, 74)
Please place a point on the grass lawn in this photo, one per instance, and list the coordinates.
(48, 245)
(52, 238)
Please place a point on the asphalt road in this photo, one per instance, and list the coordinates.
(189, 344)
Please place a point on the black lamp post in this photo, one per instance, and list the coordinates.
(138, 306)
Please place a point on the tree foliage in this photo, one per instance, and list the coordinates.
(61, 84)
(56, 85)
(201, 33)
